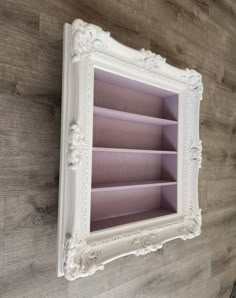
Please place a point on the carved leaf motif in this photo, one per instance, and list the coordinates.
(80, 259)
(150, 60)
(86, 38)
(192, 225)
(196, 153)
(146, 243)
(194, 79)
(77, 146)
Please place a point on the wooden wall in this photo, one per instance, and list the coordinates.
(198, 34)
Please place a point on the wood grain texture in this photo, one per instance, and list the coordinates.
(197, 34)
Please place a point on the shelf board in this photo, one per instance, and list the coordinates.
(123, 150)
(116, 221)
(109, 113)
(130, 185)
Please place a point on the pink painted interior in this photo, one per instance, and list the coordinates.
(134, 166)
(130, 96)
(117, 221)
(116, 133)
(169, 197)
(131, 117)
(123, 82)
(113, 167)
(126, 201)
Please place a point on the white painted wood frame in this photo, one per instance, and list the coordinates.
(82, 252)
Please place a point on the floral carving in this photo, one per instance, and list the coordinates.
(192, 225)
(86, 39)
(80, 259)
(194, 79)
(150, 60)
(77, 146)
(196, 153)
(146, 242)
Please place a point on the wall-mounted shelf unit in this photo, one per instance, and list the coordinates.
(130, 152)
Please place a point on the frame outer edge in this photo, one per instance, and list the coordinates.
(61, 229)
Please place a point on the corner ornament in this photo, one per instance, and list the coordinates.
(77, 146)
(192, 225)
(146, 243)
(80, 260)
(196, 153)
(151, 61)
(194, 79)
(86, 39)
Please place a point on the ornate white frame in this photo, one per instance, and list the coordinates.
(81, 253)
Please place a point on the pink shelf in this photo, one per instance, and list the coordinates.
(116, 221)
(123, 150)
(130, 185)
(114, 114)
(134, 155)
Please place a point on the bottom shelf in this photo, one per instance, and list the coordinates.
(116, 221)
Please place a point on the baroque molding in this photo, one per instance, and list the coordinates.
(151, 61)
(192, 225)
(77, 146)
(86, 39)
(86, 186)
(80, 259)
(194, 79)
(196, 153)
(146, 242)
(122, 236)
(84, 255)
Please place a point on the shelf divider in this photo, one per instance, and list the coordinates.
(124, 150)
(109, 113)
(130, 185)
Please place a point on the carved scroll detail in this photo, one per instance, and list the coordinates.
(77, 146)
(146, 242)
(196, 153)
(192, 225)
(86, 39)
(80, 259)
(194, 79)
(150, 60)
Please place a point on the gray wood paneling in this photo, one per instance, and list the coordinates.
(190, 33)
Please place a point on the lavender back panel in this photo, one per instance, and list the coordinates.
(124, 167)
(124, 202)
(116, 221)
(170, 107)
(115, 206)
(169, 137)
(169, 167)
(124, 99)
(117, 80)
(169, 197)
(115, 133)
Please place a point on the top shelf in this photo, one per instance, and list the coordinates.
(131, 116)
(131, 185)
